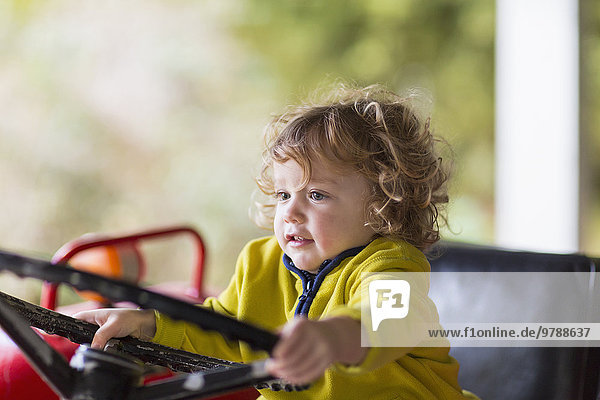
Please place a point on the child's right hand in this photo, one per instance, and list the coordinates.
(119, 322)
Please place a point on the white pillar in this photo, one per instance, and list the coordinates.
(537, 124)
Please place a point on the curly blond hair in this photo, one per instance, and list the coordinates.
(377, 134)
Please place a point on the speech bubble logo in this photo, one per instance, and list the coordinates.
(389, 299)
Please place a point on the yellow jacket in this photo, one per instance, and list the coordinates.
(265, 293)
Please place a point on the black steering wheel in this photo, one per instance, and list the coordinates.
(114, 374)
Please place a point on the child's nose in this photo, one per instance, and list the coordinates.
(294, 212)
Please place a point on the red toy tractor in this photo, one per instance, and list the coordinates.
(118, 259)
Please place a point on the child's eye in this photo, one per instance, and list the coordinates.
(282, 196)
(316, 196)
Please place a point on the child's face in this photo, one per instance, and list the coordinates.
(319, 221)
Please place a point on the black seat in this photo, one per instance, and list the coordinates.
(528, 373)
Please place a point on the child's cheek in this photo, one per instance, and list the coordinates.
(278, 230)
(329, 231)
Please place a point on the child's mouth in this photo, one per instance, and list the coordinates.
(298, 241)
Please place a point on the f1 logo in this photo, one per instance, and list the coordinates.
(389, 299)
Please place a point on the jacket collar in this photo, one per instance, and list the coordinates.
(312, 282)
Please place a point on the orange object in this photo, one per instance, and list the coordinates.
(116, 262)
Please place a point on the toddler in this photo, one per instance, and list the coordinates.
(354, 183)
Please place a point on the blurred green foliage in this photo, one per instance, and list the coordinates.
(124, 115)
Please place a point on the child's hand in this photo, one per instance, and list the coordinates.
(119, 322)
(307, 348)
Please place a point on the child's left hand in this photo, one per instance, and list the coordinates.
(307, 348)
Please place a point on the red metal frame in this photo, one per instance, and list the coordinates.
(66, 252)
